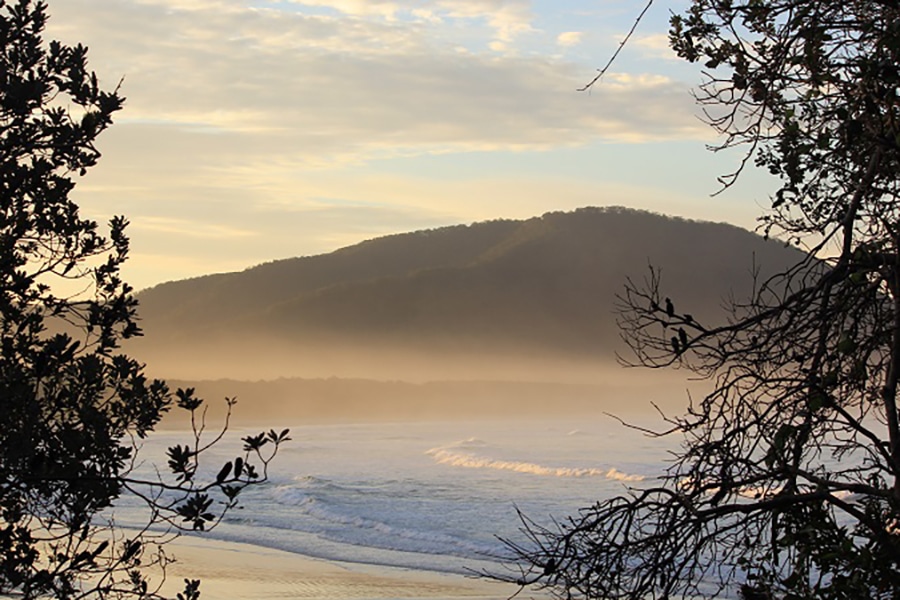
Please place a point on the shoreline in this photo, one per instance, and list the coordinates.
(238, 571)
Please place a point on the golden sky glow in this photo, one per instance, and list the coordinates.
(257, 130)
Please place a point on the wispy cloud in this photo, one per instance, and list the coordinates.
(192, 228)
(655, 46)
(508, 18)
(246, 111)
(323, 86)
(569, 38)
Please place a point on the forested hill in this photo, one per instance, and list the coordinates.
(543, 285)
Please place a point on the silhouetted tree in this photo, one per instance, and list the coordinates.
(787, 484)
(74, 409)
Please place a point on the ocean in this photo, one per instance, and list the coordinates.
(432, 496)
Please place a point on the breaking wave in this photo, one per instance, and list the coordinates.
(445, 456)
(337, 524)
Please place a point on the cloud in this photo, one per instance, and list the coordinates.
(569, 38)
(192, 228)
(243, 112)
(655, 46)
(508, 18)
(327, 90)
(381, 8)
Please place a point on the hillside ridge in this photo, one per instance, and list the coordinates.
(544, 285)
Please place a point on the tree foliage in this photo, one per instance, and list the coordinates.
(75, 409)
(787, 484)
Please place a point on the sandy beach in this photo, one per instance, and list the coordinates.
(231, 571)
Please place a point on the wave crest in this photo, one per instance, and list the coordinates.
(444, 456)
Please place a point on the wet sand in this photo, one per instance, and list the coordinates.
(231, 571)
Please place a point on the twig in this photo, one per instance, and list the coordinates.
(612, 59)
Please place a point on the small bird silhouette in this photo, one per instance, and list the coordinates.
(682, 337)
(670, 308)
(550, 567)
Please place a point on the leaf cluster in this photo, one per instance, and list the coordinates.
(75, 408)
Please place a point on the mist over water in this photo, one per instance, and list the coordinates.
(438, 384)
(429, 495)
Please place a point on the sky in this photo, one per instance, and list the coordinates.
(257, 130)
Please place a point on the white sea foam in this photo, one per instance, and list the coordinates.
(748, 491)
(617, 475)
(471, 461)
(290, 496)
(376, 494)
(359, 529)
